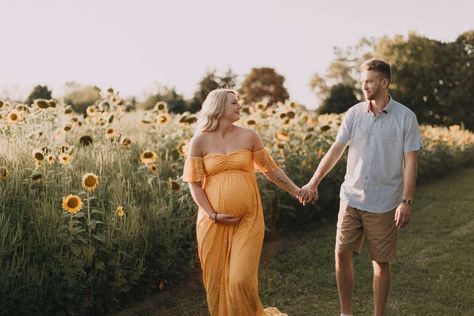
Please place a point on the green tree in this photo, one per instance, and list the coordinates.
(212, 80)
(341, 97)
(264, 84)
(80, 97)
(431, 77)
(176, 102)
(39, 92)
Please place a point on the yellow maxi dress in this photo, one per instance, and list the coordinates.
(230, 255)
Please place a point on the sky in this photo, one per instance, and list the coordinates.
(136, 45)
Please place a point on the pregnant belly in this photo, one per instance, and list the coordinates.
(232, 194)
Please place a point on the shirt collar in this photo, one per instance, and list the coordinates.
(385, 110)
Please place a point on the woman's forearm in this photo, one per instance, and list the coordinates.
(281, 179)
(200, 198)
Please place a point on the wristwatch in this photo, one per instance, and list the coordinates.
(407, 201)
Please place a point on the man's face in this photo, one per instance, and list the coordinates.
(373, 84)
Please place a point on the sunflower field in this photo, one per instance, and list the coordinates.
(93, 210)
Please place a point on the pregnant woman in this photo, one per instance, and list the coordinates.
(230, 224)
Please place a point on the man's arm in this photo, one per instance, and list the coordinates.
(309, 192)
(403, 212)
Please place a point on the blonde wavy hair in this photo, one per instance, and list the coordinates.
(212, 109)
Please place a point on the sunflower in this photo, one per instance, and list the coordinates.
(37, 177)
(282, 115)
(110, 133)
(67, 127)
(120, 211)
(173, 185)
(126, 142)
(282, 135)
(41, 103)
(65, 159)
(91, 111)
(161, 107)
(261, 106)
(85, 140)
(38, 155)
(153, 168)
(90, 182)
(51, 159)
(3, 173)
(52, 103)
(325, 128)
(183, 148)
(14, 116)
(68, 109)
(148, 156)
(251, 122)
(163, 119)
(290, 114)
(72, 203)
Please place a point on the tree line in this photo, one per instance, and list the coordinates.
(433, 78)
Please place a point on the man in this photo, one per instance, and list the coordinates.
(379, 186)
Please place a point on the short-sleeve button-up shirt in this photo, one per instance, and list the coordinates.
(377, 143)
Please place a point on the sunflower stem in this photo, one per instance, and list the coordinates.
(89, 217)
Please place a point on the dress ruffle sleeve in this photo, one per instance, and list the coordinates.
(193, 169)
(263, 162)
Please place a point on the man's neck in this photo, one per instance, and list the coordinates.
(378, 104)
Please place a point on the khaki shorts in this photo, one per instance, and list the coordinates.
(378, 229)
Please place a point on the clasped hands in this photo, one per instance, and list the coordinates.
(307, 194)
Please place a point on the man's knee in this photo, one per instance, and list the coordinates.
(381, 268)
(343, 256)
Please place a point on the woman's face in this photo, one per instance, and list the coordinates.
(232, 108)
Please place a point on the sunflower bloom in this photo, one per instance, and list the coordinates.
(110, 133)
(51, 159)
(90, 182)
(91, 111)
(283, 136)
(41, 104)
(72, 204)
(183, 148)
(148, 156)
(38, 155)
(4, 173)
(153, 168)
(120, 212)
(14, 117)
(86, 140)
(37, 177)
(161, 106)
(65, 159)
(163, 119)
(126, 142)
(173, 185)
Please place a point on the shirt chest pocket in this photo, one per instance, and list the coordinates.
(389, 132)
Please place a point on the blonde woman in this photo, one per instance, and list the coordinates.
(230, 223)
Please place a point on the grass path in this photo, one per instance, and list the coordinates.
(432, 275)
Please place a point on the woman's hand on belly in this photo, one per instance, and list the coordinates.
(227, 219)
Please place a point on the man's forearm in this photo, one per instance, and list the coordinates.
(409, 176)
(327, 163)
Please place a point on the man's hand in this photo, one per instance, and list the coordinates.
(308, 194)
(402, 215)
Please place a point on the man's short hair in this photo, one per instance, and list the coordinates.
(379, 65)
